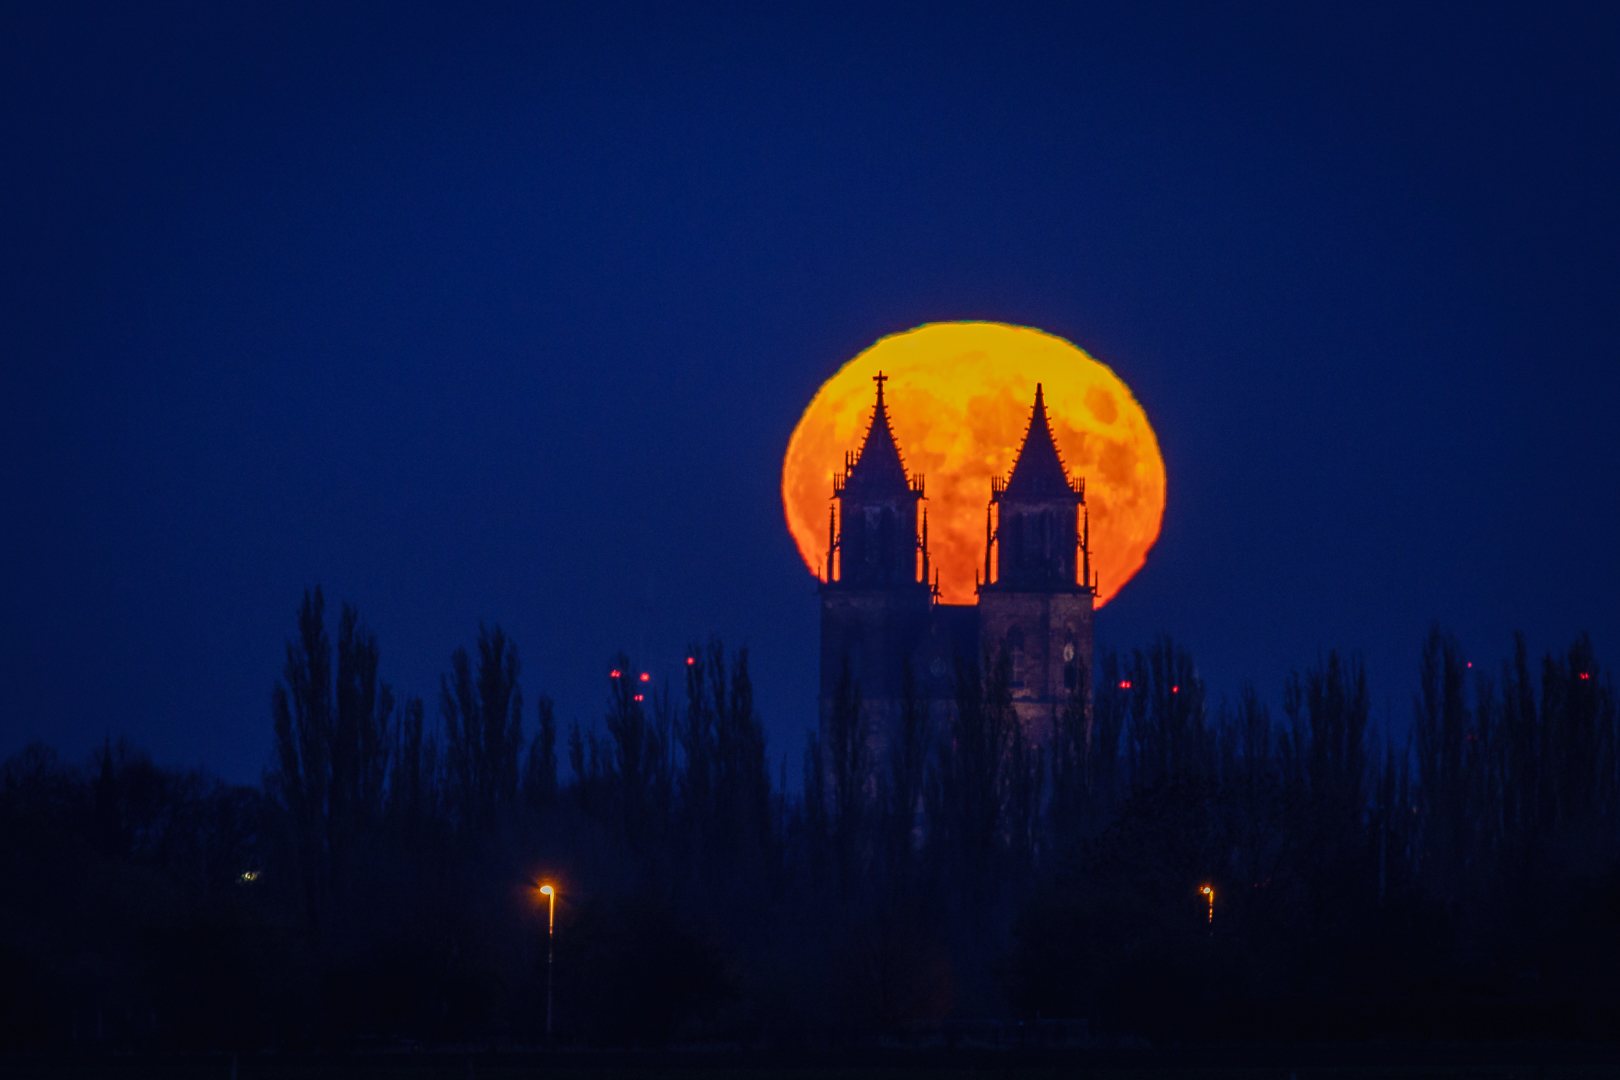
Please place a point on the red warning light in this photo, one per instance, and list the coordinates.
(638, 697)
(614, 674)
(690, 661)
(1126, 685)
(1175, 689)
(646, 677)
(1470, 663)
(1585, 675)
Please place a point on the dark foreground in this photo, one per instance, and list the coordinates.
(1313, 1062)
(1158, 872)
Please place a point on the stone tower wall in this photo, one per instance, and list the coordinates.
(1038, 630)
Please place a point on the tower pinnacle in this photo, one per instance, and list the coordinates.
(878, 469)
(1039, 470)
(1036, 533)
(873, 534)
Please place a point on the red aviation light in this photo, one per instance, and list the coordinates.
(1126, 685)
(614, 674)
(1175, 689)
(1585, 675)
(690, 661)
(646, 677)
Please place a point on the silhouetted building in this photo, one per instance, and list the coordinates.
(880, 612)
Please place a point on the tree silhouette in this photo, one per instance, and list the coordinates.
(483, 729)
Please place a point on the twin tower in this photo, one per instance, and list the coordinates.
(879, 610)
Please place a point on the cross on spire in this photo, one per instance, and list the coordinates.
(878, 466)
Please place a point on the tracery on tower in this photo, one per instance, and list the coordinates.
(1037, 532)
(873, 536)
(883, 628)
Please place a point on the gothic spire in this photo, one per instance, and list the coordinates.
(1039, 471)
(878, 469)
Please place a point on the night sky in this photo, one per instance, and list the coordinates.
(507, 315)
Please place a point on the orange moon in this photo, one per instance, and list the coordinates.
(959, 397)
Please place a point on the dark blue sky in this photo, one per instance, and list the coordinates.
(508, 315)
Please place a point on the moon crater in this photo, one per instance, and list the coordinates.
(959, 397)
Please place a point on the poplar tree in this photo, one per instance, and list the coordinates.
(849, 760)
(333, 745)
(540, 768)
(483, 729)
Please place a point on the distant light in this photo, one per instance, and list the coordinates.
(690, 661)
(1584, 675)
(248, 876)
(545, 890)
(1175, 689)
(614, 674)
(646, 677)
(1126, 685)
(638, 697)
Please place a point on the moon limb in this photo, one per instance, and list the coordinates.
(959, 397)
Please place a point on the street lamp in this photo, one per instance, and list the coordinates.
(551, 947)
(1209, 891)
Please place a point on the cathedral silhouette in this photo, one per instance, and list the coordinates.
(879, 611)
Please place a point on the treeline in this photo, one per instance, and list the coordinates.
(380, 886)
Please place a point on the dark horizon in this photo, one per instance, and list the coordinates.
(1146, 872)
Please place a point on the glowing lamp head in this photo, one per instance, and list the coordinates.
(546, 890)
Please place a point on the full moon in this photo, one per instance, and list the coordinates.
(959, 397)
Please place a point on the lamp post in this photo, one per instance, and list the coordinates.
(551, 947)
(1209, 891)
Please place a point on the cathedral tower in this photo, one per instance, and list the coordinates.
(875, 600)
(1037, 603)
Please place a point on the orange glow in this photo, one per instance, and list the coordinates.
(959, 396)
(551, 913)
(1209, 891)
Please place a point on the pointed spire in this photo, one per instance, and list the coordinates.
(878, 470)
(1039, 471)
